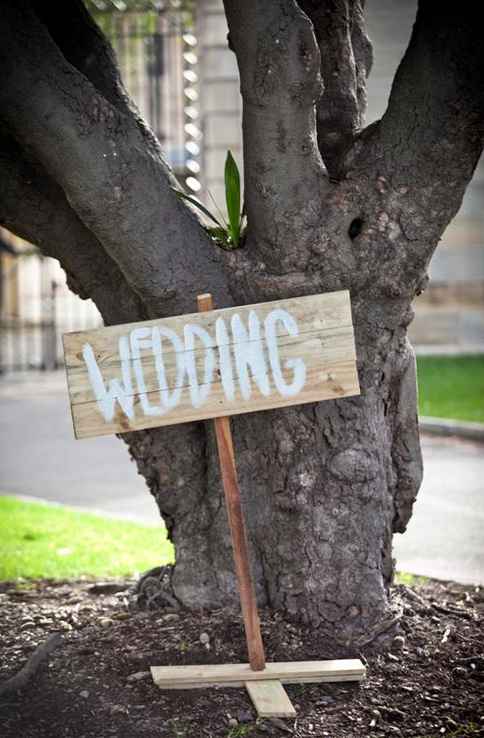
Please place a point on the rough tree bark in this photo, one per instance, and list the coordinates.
(329, 206)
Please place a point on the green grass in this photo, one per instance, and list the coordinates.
(411, 580)
(240, 731)
(38, 540)
(452, 387)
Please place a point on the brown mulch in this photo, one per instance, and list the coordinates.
(96, 683)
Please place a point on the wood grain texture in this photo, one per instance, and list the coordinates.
(270, 699)
(238, 534)
(323, 341)
(334, 343)
(237, 675)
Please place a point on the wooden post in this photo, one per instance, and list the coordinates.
(237, 529)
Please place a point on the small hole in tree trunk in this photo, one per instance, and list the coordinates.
(355, 228)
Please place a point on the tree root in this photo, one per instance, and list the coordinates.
(20, 680)
(412, 595)
(153, 591)
(379, 630)
(456, 611)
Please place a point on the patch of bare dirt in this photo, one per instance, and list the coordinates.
(97, 683)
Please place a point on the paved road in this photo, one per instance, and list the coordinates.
(39, 457)
(445, 537)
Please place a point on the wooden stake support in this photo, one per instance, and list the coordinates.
(237, 529)
(262, 680)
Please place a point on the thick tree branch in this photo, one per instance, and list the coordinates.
(84, 46)
(420, 157)
(118, 186)
(278, 62)
(346, 58)
(34, 207)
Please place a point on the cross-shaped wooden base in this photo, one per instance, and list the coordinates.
(264, 687)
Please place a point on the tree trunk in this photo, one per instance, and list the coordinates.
(324, 486)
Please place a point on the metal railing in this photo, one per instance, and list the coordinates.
(37, 308)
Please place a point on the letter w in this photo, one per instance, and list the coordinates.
(122, 391)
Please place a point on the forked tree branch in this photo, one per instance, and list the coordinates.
(346, 58)
(82, 43)
(278, 60)
(421, 156)
(120, 188)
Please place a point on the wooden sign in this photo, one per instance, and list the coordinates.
(212, 364)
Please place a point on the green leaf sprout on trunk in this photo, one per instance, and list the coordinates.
(227, 234)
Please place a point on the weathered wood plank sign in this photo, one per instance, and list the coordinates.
(211, 364)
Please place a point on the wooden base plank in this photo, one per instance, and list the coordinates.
(236, 675)
(270, 698)
(302, 680)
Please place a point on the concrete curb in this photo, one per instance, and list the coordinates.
(121, 517)
(438, 349)
(445, 427)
